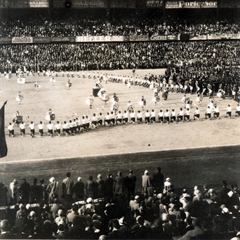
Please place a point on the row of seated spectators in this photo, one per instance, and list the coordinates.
(83, 24)
(158, 212)
(195, 56)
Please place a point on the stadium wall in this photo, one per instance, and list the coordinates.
(105, 39)
(130, 4)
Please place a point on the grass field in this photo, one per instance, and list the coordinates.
(105, 150)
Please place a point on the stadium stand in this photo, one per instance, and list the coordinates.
(199, 48)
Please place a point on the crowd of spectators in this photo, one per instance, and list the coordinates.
(111, 208)
(197, 56)
(132, 23)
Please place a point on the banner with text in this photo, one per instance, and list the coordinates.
(190, 4)
(164, 38)
(88, 4)
(60, 39)
(198, 38)
(234, 36)
(22, 40)
(81, 3)
(119, 4)
(99, 39)
(223, 36)
(154, 3)
(14, 4)
(197, 4)
(172, 4)
(5, 40)
(158, 38)
(138, 38)
(41, 39)
(229, 4)
(38, 3)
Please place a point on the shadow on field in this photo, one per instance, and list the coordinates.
(186, 168)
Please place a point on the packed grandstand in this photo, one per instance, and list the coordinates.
(197, 42)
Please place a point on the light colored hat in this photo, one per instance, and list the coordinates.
(160, 195)
(52, 179)
(136, 197)
(32, 213)
(89, 200)
(121, 220)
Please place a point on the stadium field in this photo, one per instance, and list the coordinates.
(196, 151)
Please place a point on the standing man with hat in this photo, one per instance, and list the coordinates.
(146, 184)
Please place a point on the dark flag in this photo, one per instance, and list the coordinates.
(3, 145)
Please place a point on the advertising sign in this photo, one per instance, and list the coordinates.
(38, 3)
(5, 40)
(88, 3)
(119, 4)
(22, 40)
(139, 38)
(14, 4)
(191, 4)
(199, 37)
(197, 4)
(158, 38)
(60, 39)
(174, 4)
(41, 39)
(99, 39)
(154, 3)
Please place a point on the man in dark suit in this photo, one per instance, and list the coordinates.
(130, 183)
(108, 186)
(79, 189)
(158, 181)
(118, 187)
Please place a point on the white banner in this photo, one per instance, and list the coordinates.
(22, 40)
(99, 39)
(154, 3)
(38, 3)
(204, 4)
(199, 37)
(174, 4)
(191, 4)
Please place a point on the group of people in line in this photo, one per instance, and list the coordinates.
(130, 115)
(114, 118)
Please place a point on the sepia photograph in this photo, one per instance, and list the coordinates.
(120, 119)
